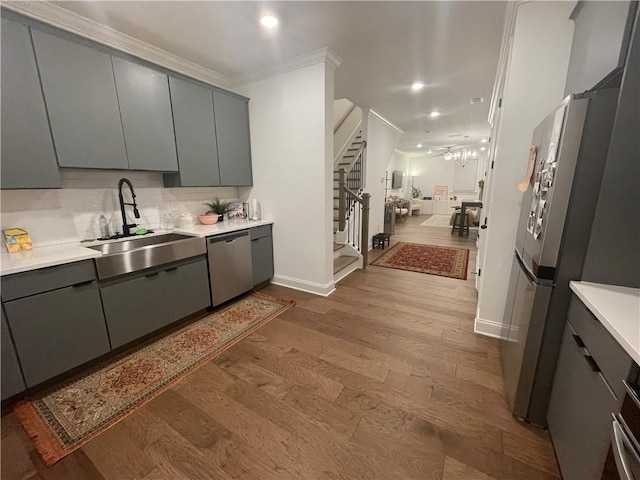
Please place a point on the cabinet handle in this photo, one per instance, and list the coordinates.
(592, 363)
(82, 284)
(578, 340)
(149, 275)
(171, 269)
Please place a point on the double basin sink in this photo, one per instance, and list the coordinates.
(139, 253)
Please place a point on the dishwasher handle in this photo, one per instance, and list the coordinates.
(228, 238)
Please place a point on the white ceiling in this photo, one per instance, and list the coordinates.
(452, 46)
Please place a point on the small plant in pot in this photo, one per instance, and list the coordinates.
(215, 213)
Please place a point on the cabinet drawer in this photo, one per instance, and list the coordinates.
(611, 358)
(259, 232)
(186, 289)
(57, 331)
(25, 284)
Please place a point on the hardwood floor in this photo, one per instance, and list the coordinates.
(384, 379)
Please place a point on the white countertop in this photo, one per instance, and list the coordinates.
(49, 256)
(221, 227)
(617, 308)
(41, 257)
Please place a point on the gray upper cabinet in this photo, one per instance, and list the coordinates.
(145, 108)
(28, 157)
(80, 95)
(195, 132)
(600, 42)
(232, 132)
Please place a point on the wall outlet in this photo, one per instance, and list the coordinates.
(382, 179)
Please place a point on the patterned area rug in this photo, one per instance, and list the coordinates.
(442, 261)
(437, 221)
(66, 417)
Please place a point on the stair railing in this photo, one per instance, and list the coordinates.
(354, 205)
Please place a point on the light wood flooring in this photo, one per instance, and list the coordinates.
(384, 379)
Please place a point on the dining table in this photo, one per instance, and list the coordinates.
(463, 213)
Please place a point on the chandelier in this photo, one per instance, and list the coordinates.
(462, 157)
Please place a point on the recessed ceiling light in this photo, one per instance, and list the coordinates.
(429, 151)
(417, 86)
(269, 21)
(482, 149)
(419, 145)
(434, 114)
(484, 140)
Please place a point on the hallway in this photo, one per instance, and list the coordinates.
(383, 379)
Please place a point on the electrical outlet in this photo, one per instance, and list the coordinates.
(381, 179)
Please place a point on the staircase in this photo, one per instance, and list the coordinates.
(350, 211)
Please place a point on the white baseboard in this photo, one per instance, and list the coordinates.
(304, 285)
(491, 328)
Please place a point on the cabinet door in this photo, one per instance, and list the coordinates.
(28, 158)
(232, 132)
(145, 108)
(262, 259)
(134, 308)
(12, 381)
(57, 331)
(80, 94)
(186, 289)
(579, 412)
(195, 136)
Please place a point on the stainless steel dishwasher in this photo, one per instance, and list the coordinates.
(230, 268)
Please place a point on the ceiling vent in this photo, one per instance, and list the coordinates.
(475, 100)
(455, 135)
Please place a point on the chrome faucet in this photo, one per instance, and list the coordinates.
(126, 226)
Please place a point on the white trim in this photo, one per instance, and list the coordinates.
(304, 285)
(490, 328)
(322, 55)
(401, 152)
(380, 118)
(64, 19)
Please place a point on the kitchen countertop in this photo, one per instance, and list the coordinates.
(221, 227)
(41, 257)
(617, 308)
(52, 255)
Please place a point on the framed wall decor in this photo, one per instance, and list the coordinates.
(442, 192)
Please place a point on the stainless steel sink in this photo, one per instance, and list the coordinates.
(137, 254)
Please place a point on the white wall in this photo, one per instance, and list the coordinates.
(429, 172)
(382, 138)
(70, 214)
(291, 120)
(340, 109)
(534, 85)
(399, 161)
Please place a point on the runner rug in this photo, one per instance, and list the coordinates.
(442, 261)
(67, 416)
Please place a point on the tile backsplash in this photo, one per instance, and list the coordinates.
(70, 214)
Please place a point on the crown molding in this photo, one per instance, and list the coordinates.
(380, 118)
(322, 55)
(64, 19)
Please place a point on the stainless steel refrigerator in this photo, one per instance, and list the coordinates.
(568, 155)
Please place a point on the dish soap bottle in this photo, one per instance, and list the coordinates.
(104, 228)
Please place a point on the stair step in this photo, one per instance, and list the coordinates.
(337, 246)
(342, 262)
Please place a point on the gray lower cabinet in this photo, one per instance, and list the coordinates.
(12, 381)
(186, 289)
(80, 94)
(57, 330)
(195, 132)
(28, 157)
(586, 390)
(232, 133)
(145, 108)
(261, 254)
(135, 307)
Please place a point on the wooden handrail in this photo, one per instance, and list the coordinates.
(353, 107)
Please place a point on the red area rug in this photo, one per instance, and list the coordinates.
(443, 261)
(67, 416)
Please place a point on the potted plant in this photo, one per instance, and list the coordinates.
(216, 209)
(416, 192)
